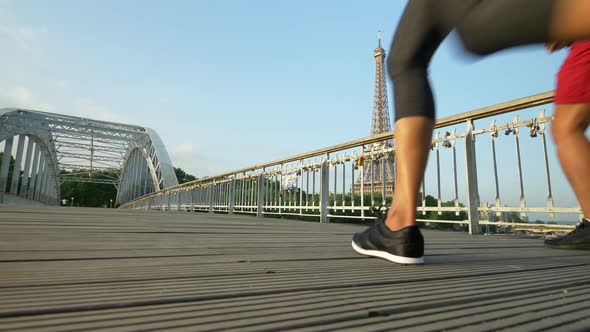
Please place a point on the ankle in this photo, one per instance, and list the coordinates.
(396, 220)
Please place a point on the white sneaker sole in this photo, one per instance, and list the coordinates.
(388, 256)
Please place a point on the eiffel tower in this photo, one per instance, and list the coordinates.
(382, 170)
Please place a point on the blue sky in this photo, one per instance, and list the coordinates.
(228, 84)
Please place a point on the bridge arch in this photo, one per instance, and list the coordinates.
(42, 145)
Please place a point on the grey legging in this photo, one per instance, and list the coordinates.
(484, 27)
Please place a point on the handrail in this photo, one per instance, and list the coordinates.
(498, 109)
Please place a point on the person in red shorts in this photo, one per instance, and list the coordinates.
(571, 119)
(483, 28)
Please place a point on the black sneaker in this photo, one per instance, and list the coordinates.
(405, 246)
(578, 239)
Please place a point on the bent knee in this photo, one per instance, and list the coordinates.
(399, 64)
(570, 120)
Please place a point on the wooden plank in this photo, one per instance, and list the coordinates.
(432, 295)
(88, 269)
(481, 314)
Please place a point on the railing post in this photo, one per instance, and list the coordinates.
(232, 199)
(210, 194)
(471, 173)
(260, 182)
(178, 197)
(324, 191)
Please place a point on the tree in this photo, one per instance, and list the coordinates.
(514, 217)
(182, 176)
(431, 201)
(90, 194)
(10, 171)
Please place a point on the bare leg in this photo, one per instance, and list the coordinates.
(407, 67)
(485, 27)
(413, 137)
(573, 149)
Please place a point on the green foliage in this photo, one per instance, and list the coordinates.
(514, 217)
(313, 199)
(89, 194)
(430, 201)
(10, 171)
(182, 176)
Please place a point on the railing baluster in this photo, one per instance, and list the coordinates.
(471, 173)
(307, 189)
(314, 188)
(335, 166)
(518, 159)
(251, 201)
(550, 203)
(280, 189)
(495, 165)
(344, 185)
(260, 208)
(383, 182)
(372, 171)
(243, 192)
(300, 181)
(352, 184)
(324, 191)
(231, 197)
(211, 202)
(439, 198)
(362, 177)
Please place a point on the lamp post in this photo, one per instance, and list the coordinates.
(111, 203)
(72, 205)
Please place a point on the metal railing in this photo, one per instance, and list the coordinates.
(329, 184)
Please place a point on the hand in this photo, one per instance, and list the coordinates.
(555, 46)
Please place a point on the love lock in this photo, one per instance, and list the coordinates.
(361, 161)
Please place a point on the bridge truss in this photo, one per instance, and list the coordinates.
(48, 149)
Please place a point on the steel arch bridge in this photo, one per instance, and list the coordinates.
(42, 145)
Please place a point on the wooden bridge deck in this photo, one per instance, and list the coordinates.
(74, 269)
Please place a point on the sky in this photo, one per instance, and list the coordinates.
(227, 83)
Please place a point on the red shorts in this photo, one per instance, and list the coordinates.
(573, 79)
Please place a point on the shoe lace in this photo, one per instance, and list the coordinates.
(579, 227)
(379, 213)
